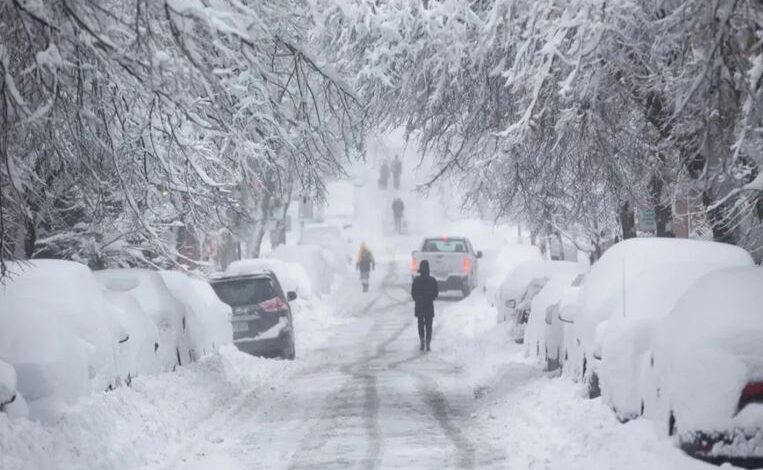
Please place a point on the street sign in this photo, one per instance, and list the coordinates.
(647, 221)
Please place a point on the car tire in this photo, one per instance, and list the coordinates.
(466, 289)
(291, 353)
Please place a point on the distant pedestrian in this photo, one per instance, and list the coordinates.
(397, 210)
(397, 170)
(365, 264)
(384, 174)
(424, 291)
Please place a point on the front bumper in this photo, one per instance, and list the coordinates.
(743, 448)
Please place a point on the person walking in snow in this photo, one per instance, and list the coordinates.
(384, 174)
(424, 291)
(397, 170)
(397, 210)
(365, 264)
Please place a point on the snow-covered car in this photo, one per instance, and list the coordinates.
(515, 284)
(313, 259)
(547, 298)
(453, 262)
(495, 269)
(330, 238)
(649, 298)
(522, 317)
(605, 291)
(59, 333)
(168, 314)
(705, 369)
(207, 317)
(262, 321)
(558, 320)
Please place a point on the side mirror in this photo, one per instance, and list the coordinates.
(291, 296)
(479, 254)
(567, 315)
(511, 303)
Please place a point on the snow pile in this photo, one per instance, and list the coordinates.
(314, 261)
(59, 333)
(559, 280)
(714, 336)
(142, 425)
(208, 323)
(292, 276)
(150, 293)
(7, 384)
(649, 298)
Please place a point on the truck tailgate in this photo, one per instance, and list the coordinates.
(441, 265)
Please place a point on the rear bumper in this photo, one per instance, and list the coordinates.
(743, 448)
(269, 347)
(452, 282)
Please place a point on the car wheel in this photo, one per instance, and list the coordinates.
(671, 424)
(466, 290)
(291, 353)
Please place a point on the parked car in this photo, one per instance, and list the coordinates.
(524, 307)
(207, 317)
(150, 294)
(549, 295)
(330, 238)
(558, 320)
(515, 284)
(452, 261)
(605, 290)
(705, 368)
(650, 297)
(59, 334)
(262, 321)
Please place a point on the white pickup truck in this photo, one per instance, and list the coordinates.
(452, 262)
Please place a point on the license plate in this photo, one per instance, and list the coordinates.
(238, 327)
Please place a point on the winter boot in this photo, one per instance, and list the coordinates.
(421, 348)
(428, 348)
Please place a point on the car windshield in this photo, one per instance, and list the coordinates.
(237, 292)
(445, 246)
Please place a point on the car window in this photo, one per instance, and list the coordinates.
(445, 246)
(237, 292)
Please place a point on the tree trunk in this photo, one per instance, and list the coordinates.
(663, 213)
(627, 221)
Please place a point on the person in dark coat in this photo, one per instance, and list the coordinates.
(424, 290)
(397, 210)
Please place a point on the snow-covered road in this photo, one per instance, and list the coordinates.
(367, 399)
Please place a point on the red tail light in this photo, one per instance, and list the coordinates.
(414, 265)
(752, 393)
(274, 305)
(467, 264)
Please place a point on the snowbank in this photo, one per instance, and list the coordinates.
(208, 323)
(714, 336)
(142, 425)
(60, 334)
